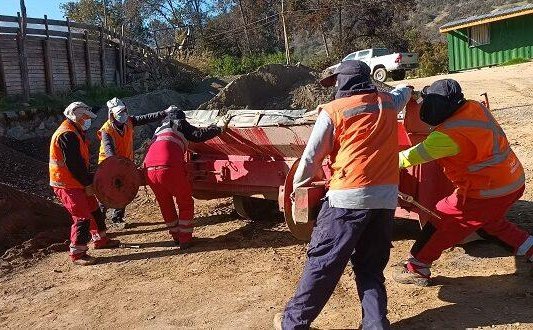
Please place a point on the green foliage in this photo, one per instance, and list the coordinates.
(432, 56)
(92, 96)
(320, 62)
(514, 61)
(228, 65)
(131, 14)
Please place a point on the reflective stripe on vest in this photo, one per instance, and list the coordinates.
(502, 191)
(175, 137)
(60, 176)
(59, 163)
(498, 156)
(486, 166)
(367, 108)
(366, 141)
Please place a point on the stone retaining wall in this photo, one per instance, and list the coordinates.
(27, 124)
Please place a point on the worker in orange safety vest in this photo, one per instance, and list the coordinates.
(72, 183)
(358, 130)
(475, 155)
(116, 138)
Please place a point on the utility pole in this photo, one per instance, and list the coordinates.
(287, 51)
(248, 48)
(23, 56)
(341, 40)
(104, 3)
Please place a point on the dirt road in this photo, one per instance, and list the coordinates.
(240, 273)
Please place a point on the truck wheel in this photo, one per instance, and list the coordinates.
(380, 74)
(255, 209)
(398, 75)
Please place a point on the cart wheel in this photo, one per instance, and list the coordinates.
(255, 209)
(301, 231)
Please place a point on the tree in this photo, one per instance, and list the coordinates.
(129, 13)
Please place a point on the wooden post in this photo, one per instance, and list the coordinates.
(287, 51)
(3, 86)
(102, 56)
(341, 37)
(247, 38)
(324, 39)
(124, 54)
(70, 55)
(120, 60)
(48, 60)
(23, 57)
(88, 59)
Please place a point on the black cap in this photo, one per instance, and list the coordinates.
(353, 68)
(448, 88)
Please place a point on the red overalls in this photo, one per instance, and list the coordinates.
(166, 174)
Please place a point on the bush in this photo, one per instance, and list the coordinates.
(432, 56)
(518, 60)
(320, 62)
(228, 65)
(92, 96)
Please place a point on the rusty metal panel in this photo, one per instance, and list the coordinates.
(307, 202)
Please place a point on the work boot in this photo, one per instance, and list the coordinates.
(405, 275)
(119, 223)
(278, 320)
(185, 245)
(106, 243)
(85, 260)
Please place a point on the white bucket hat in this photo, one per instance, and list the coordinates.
(115, 106)
(77, 109)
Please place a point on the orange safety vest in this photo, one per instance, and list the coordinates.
(366, 141)
(60, 176)
(123, 143)
(485, 166)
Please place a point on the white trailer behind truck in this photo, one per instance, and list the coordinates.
(384, 63)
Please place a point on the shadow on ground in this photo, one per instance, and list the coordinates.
(478, 301)
(254, 234)
(483, 301)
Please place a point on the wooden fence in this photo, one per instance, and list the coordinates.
(41, 55)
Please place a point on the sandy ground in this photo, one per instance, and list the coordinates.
(241, 273)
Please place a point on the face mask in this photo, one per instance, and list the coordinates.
(122, 117)
(86, 124)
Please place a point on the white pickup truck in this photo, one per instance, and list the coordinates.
(383, 62)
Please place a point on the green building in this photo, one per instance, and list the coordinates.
(490, 39)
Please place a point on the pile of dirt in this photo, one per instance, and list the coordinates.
(23, 172)
(36, 148)
(23, 215)
(271, 87)
(27, 205)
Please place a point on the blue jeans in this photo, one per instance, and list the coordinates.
(341, 235)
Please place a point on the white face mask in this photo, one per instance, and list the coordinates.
(122, 117)
(86, 124)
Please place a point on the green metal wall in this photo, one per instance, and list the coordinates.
(509, 39)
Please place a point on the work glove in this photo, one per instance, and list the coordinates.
(171, 109)
(223, 122)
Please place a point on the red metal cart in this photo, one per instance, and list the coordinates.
(255, 165)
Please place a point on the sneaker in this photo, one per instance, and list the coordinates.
(106, 243)
(405, 276)
(85, 260)
(278, 320)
